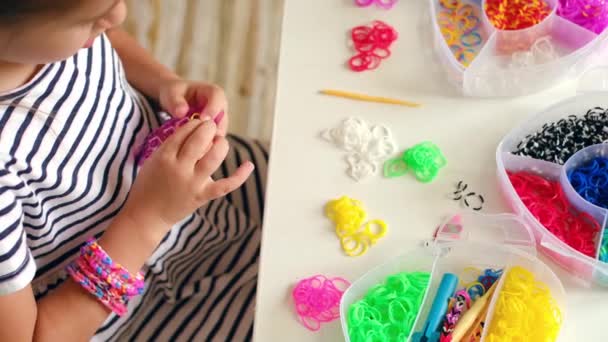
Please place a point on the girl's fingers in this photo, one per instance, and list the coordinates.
(198, 143)
(174, 143)
(208, 164)
(223, 187)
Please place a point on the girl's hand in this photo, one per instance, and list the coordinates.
(176, 179)
(177, 95)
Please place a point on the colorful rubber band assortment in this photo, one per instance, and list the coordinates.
(388, 311)
(557, 141)
(590, 14)
(355, 236)
(424, 160)
(460, 25)
(317, 300)
(525, 310)
(516, 14)
(547, 202)
(385, 4)
(466, 298)
(373, 44)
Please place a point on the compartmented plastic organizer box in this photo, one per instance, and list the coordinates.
(490, 71)
(593, 92)
(512, 245)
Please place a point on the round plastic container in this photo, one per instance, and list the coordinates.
(588, 269)
(492, 241)
(494, 71)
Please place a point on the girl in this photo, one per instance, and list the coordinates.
(70, 129)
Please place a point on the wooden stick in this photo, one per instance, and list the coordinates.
(367, 98)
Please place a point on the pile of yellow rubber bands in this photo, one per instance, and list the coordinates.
(525, 310)
(349, 216)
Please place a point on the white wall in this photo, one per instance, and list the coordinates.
(233, 43)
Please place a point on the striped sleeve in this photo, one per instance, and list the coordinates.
(17, 267)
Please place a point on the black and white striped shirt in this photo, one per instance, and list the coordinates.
(68, 142)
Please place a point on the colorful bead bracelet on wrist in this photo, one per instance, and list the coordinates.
(108, 281)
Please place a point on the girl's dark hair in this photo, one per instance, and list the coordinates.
(14, 10)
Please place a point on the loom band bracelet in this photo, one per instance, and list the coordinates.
(471, 39)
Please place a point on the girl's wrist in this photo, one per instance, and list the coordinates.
(131, 239)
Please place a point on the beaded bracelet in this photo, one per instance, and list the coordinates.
(108, 281)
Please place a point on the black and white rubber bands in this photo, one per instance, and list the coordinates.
(470, 199)
(559, 140)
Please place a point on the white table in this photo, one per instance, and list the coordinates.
(306, 172)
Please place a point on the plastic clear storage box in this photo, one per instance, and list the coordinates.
(513, 62)
(485, 241)
(589, 269)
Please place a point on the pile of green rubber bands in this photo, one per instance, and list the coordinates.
(388, 311)
(423, 160)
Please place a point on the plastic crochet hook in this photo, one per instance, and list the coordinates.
(430, 332)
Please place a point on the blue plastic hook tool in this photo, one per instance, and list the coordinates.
(430, 332)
